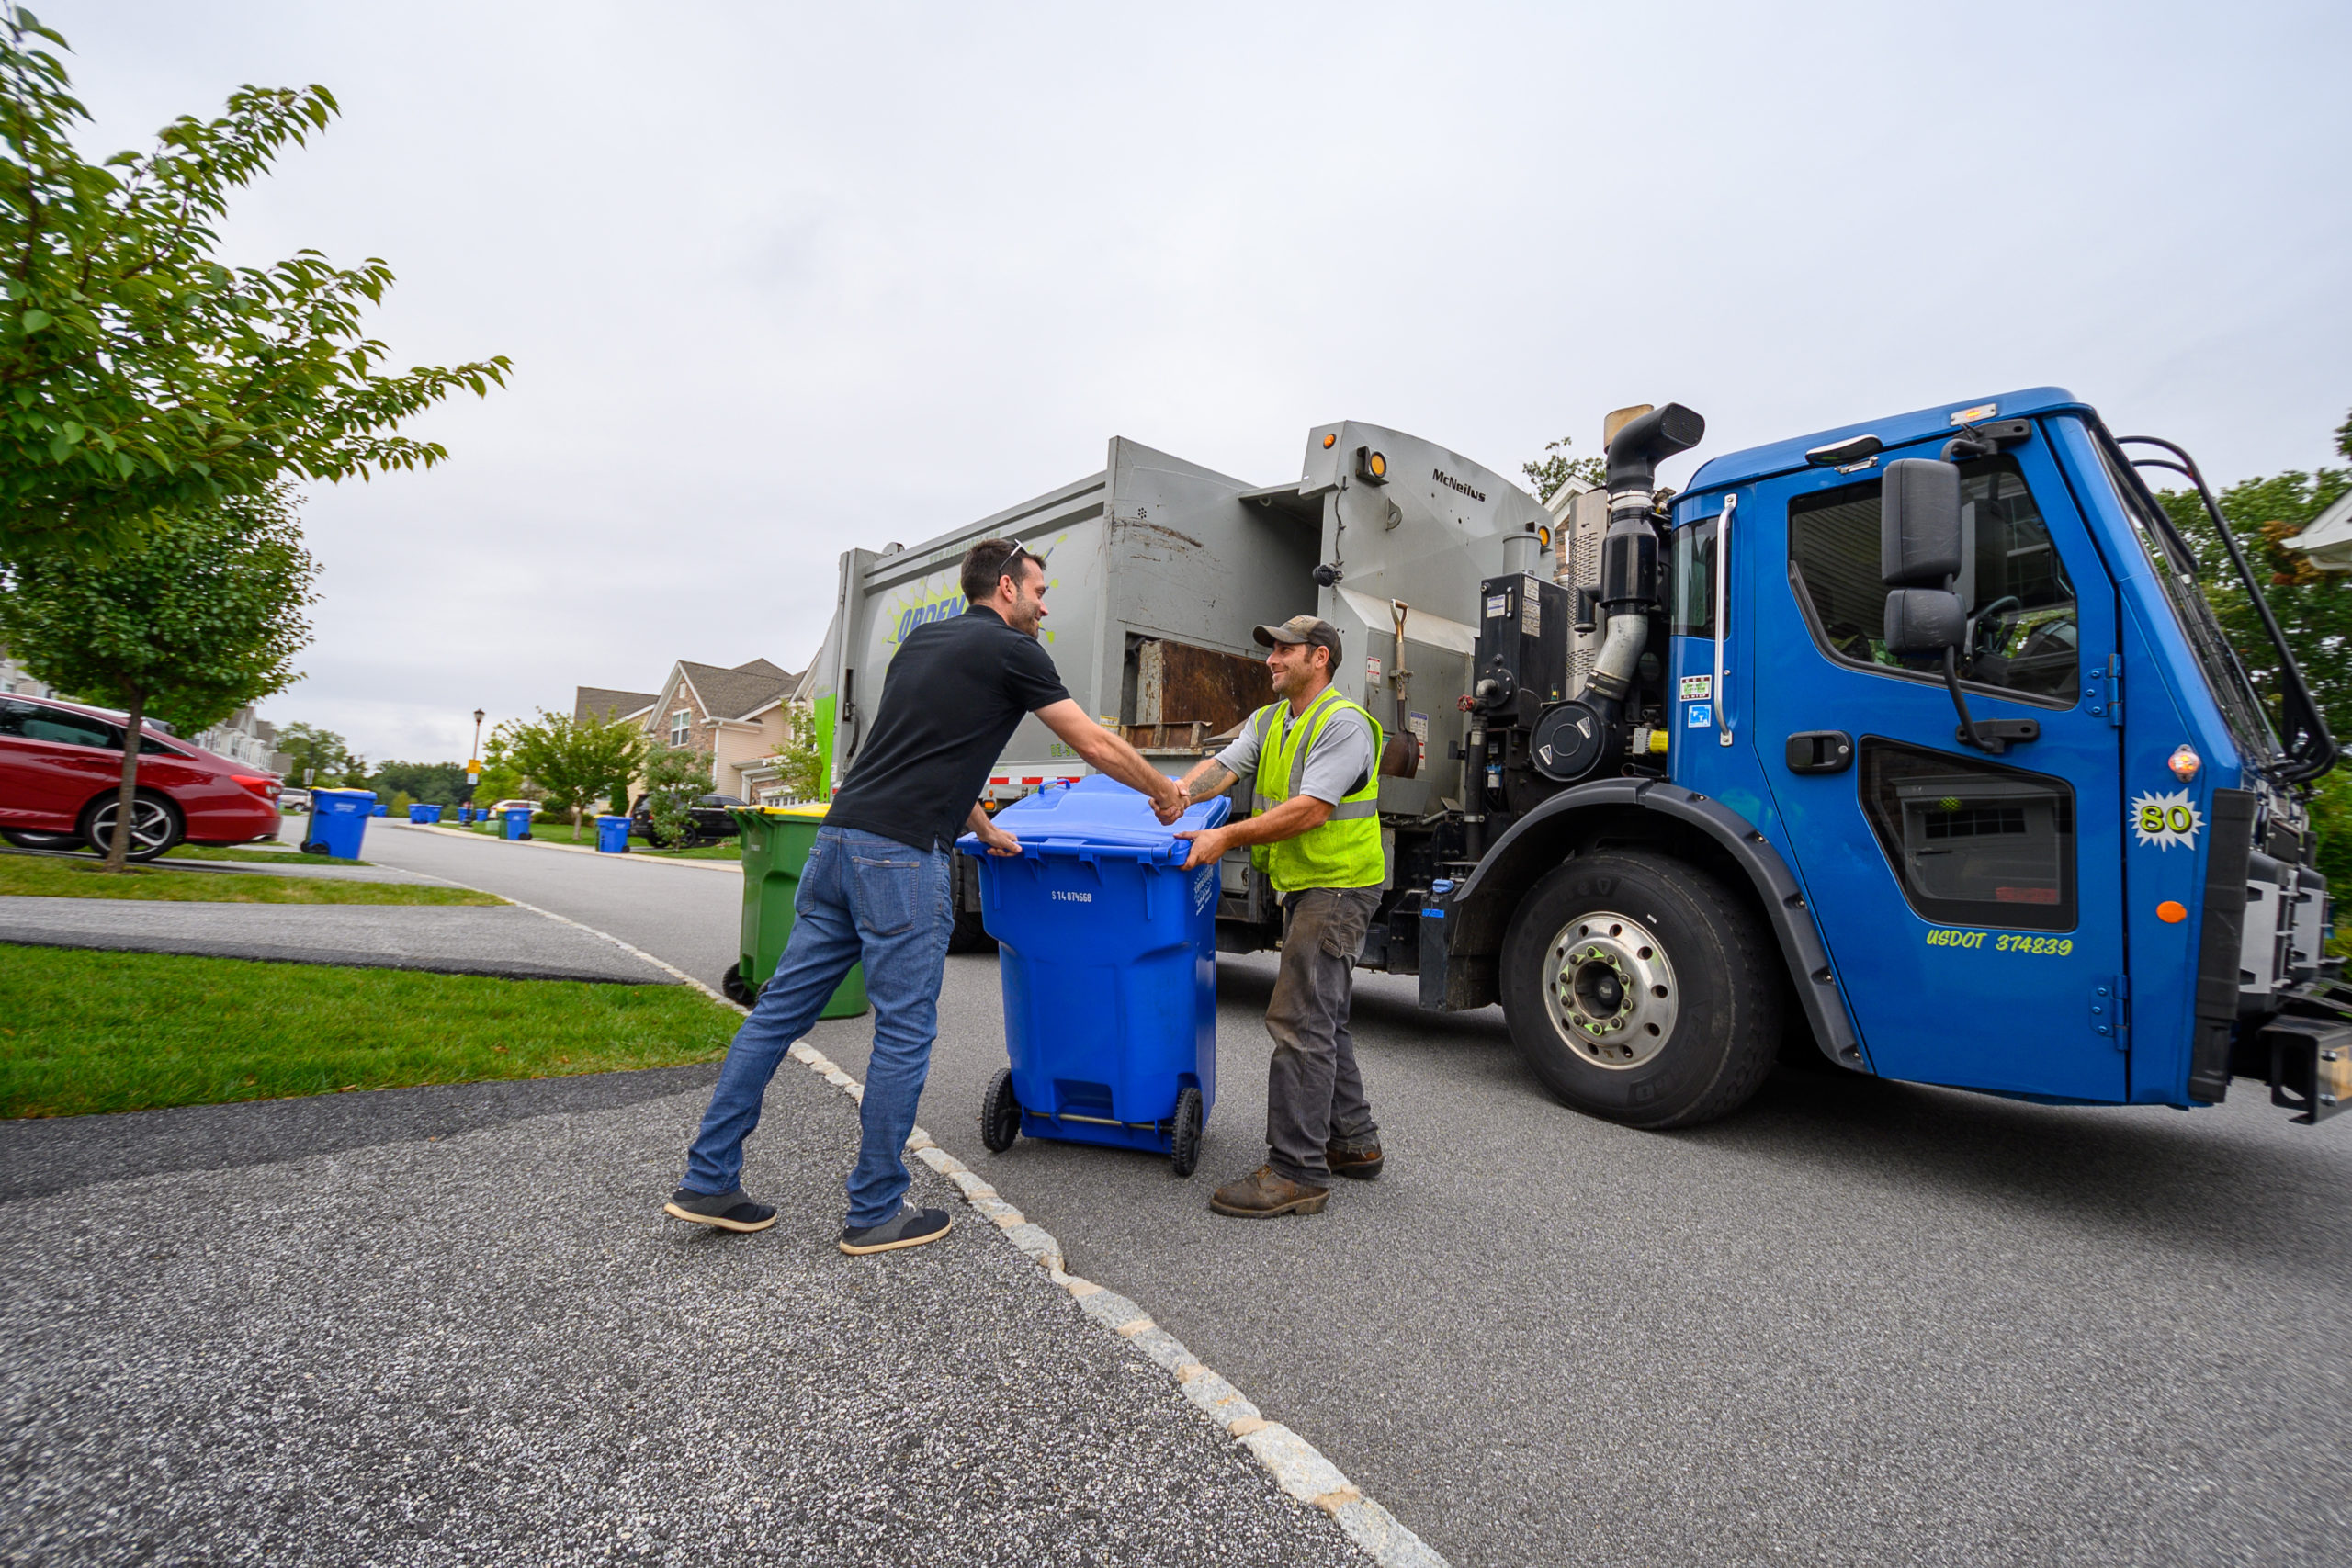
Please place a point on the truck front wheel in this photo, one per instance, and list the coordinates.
(1639, 989)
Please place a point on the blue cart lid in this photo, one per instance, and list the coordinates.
(1098, 815)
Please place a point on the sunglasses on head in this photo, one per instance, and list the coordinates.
(1012, 567)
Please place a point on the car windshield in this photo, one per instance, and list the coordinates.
(2225, 674)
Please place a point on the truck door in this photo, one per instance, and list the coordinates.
(1970, 901)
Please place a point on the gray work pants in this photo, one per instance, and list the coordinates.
(1314, 1093)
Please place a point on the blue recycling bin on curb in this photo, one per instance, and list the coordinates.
(1107, 953)
(518, 822)
(381, 810)
(612, 835)
(423, 813)
(338, 822)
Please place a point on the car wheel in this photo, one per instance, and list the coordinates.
(1639, 989)
(26, 838)
(155, 826)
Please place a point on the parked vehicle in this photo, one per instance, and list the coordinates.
(1917, 737)
(61, 771)
(293, 798)
(712, 815)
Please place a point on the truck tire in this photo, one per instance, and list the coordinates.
(969, 935)
(1638, 989)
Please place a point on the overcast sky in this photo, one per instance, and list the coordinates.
(779, 280)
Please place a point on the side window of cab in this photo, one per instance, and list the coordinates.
(2023, 634)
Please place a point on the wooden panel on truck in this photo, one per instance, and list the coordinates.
(1178, 683)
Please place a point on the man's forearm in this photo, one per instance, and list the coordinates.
(980, 817)
(1206, 780)
(1299, 813)
(1110, 754)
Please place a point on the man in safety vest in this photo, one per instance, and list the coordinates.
(1314, 833)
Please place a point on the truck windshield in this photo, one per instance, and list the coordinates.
(2168, 556)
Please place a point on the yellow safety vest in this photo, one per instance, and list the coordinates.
(1345, 851)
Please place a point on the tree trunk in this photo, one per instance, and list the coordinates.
(575, 823)
(118, 852)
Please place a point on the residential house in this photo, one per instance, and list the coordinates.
(246, 736)
(608, 702)
(2328, 541)
(15, 681)
(737, 718)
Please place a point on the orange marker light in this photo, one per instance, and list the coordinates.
(1329, 440)
(2171, 911)
(1379, 465)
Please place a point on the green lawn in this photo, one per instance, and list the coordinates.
(244, 851)
(49, 877)
(93, 1031)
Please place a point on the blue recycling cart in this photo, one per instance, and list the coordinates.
(518, 822)
(1107, 952)
(338, 822)
(612, 835)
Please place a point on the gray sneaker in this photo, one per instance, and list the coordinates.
(722, 1211)
(912, 1228)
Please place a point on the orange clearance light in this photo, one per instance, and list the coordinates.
(2184, 764)
(1379, 465)
(2171, 911)
(1332, 440)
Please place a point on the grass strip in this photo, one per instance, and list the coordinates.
(561, 833)
(242, 852)
(47, 876)
(82, 1033)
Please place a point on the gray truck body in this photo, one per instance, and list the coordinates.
(1159, 568)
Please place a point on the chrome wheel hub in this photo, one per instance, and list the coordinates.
(151, 825)
(1610, 990)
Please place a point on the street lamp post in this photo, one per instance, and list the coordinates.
(473, 762)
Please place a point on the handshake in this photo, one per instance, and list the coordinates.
(1168, 800)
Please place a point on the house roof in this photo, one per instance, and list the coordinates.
(2328, 540)
(735, 693)
(611, 700)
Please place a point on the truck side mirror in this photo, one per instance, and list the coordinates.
(1924, 621)
(1918, 526)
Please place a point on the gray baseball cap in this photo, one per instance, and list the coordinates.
(1310, 630)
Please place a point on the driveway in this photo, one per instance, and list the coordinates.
(1858, 1322)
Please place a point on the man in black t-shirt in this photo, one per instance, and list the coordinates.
(876, 888)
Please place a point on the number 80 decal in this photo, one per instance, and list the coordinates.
(2165, 820)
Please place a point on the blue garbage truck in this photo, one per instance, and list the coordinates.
(1912, 748)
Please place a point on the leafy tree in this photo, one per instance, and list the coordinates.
(675, 779)
(190, 622)
(1549, 472)
(433, 783)
(320, 752)
(801, 766)
(576, 761)
(2313, 608)
(139, 377)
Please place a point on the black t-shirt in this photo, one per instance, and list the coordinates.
(951, 699)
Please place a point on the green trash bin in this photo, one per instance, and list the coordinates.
(776, 840)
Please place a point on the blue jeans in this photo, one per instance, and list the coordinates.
(861, 896)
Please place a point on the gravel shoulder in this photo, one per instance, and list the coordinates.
(492, 1348)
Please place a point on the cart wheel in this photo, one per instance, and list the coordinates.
(733, 987)
(1000, 1112)
(315, 847)
(1184, 1146)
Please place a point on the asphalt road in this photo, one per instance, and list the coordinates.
(1860, 1322)
(492, 1348)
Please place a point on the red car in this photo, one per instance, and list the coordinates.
(60, 772)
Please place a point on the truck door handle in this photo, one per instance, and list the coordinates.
(1820, 752)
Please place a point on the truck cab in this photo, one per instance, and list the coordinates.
(2007, 805)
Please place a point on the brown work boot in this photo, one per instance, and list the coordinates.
(1262, 1195)
(1355, 1164)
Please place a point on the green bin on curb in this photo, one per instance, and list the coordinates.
(776, 840)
